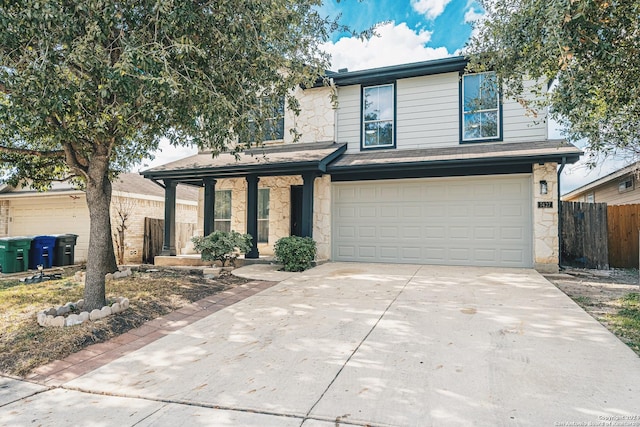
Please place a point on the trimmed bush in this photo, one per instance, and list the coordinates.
(296, 253)
(222, 246)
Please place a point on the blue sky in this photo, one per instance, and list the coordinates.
(408, 30)
(445, 18)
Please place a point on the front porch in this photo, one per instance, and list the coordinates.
(298, 196)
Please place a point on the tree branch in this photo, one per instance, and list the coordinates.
(25, 152)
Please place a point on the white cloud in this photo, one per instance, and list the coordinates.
(429, 8)
(395, 44)
(472, 15)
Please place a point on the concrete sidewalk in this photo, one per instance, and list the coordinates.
(364, 344)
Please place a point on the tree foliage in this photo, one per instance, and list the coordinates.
(588, 48)
(88, 88)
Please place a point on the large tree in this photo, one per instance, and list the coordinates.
(88, 88)
(588, 48)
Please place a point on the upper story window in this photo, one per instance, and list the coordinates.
(626, 185)
(590, 198)
(378, 114)
(273, 124)
(480, 107)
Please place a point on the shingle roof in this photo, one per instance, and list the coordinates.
(135, 183)
(131, 183)
(280, 159)
(549, 150)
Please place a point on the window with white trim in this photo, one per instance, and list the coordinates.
(263, 215)
(222, 211)
(626, 185)
(378, 112)
(480, 107)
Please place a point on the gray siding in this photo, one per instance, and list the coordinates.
(428, 115)
(427, 111)
(348, 127)
(518, 126)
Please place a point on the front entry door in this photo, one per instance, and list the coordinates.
(296, 210)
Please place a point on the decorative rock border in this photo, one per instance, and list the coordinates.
(55, 316)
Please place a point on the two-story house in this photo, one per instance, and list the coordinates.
(418, 163)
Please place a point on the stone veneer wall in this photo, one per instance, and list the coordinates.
(4, 218)
(279, 209)
(545, 220)
(317, 116)
(322, 217)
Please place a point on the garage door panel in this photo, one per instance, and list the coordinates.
(389, 253)
(367, 232)
(345, 232)
(435, 211)
(484, 233)
(389, 212)
(411, 212)
(457, 221)
(511, 233)
(347, 212)
(367, 252)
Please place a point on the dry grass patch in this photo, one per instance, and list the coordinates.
(612, 297)
(24, 345)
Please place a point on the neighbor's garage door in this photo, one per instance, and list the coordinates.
(52, 215)
(482, 221)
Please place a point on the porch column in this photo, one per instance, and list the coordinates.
(306, 225)
(209, 205)
(252, 214)
(169, 245)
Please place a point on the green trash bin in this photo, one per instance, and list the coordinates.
(14, 254)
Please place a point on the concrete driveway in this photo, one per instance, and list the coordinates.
(365, 344)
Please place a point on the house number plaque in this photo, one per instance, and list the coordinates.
(542, 205)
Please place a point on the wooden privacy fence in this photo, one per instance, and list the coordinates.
(623, 235)
(595, 235)
(154, 237)
(585, 235)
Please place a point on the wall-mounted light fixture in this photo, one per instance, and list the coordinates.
(543, 187)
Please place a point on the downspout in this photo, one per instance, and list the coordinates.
(562, 165)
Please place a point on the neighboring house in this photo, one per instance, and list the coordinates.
(617, 188)
(418, 163)
(63, 209)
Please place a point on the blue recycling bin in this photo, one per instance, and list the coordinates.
(42, 251)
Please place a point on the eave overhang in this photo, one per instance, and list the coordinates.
(395, 72)
(496, 154)
(286, 159)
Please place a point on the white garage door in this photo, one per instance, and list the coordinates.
(482, 221)
(52, 215)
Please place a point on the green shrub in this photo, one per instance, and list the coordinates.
(222, 246)
(296, 253)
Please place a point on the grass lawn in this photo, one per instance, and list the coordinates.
(611, 296)
(24, 345)
(625, 323)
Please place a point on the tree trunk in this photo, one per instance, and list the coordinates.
(101, 257)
